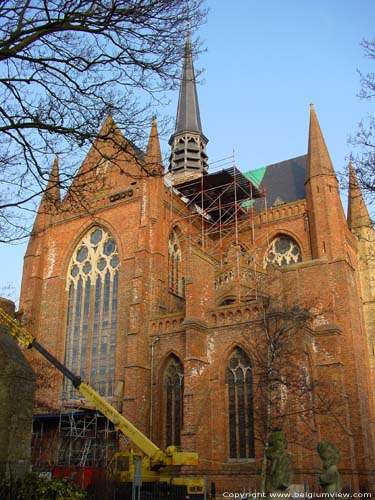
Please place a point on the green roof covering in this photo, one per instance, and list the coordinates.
(256, 176)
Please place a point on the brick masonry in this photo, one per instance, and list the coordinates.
(222, 307)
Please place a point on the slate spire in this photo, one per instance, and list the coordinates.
(188, 115)
(188, 143)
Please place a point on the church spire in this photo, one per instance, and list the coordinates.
(153, 159)
(326, 216)
(188, 115)
(188, 143)
(51, 197)
(318, 159)
(358, 216)
(51, 200)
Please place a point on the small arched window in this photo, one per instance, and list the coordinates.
(240, 400)
(174, 390)
(227, 302)
(92, 285)
(283, 251)
(175, 280)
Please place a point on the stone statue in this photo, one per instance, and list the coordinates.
(330, 478)
(280, 471)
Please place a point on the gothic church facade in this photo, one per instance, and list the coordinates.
(151, 285)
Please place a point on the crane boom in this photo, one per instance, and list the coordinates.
(19, 332)
(158, 458)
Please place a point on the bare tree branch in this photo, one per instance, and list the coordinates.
(65, 64)
(364, 139)
(286, 393)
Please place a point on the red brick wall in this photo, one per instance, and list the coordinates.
(201, 333)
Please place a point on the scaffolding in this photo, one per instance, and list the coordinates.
(86, 439)
(74, 434)
(214, 210)
(218, 206)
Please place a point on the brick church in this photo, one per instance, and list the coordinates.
(152, 283)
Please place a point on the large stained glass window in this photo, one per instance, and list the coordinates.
(92, 285)
(174, 389)
(240, 400)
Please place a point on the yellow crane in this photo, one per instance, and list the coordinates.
(122, 468)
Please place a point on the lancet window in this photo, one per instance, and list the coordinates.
(92, 286)
(176, 282)
(174, 389)
(240, 405)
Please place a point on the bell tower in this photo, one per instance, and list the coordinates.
(188, 143)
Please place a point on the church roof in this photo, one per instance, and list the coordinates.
(283, 182)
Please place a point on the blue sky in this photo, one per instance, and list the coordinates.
(265, 63)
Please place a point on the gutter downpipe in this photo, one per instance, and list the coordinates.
(152, 346)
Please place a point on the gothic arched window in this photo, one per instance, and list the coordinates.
(175, 280)
(240, 399)
(174, 390)
(92, 285)
(283, 251)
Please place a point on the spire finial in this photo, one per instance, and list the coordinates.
(188, 17)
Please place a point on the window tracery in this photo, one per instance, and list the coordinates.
(240, 399)
(92, 285)
(283, 251)
(174, 389)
